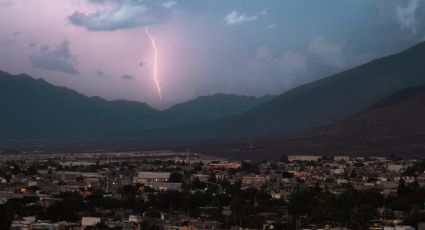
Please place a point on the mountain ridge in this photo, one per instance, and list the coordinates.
(400, 114)
(322, 102)
(297, 111)
(35, 108)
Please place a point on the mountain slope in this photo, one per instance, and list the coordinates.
(213, 107)
(394, 125)
(35, 109)
(321, 102)
(400, 114)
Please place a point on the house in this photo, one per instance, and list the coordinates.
(225, 165)
(89, 221)
(394, 167)
(200, 177)
(253, 180)
(292, 158)
(341, 158)
(148, 177)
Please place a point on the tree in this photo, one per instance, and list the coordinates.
(6, 216)
(324, 213)
(364, 213)
(153, 213)
(249, 167)
(173, 198)
(176, 177)
(302, 202)
(96, 198)
(263, 197)
(414, 218)
(402, 189)
(32, 170)
(197, 184)
(286, 174)
(129, 191)
(147, 226)
(65, 210)
(212, 178)
(101, 226)
(372, 197)
(400, 204)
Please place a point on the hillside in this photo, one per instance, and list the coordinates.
(213, 107)
(395, 125)
(36, 109)
(400, 114)
(318, 103)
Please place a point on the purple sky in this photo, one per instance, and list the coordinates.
(99, 47)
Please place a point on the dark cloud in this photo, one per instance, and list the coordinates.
(59, 59)
(100, 73)
(264, 52)
(124, 15)
(127, 77)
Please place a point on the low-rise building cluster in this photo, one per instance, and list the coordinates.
(168, 190)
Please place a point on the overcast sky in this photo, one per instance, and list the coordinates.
(100, 47)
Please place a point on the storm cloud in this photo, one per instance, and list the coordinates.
(127, 77)
(204, 47)
(58, 59)
(123, 15)
(237, 18)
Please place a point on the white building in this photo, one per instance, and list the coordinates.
(395, 167)
(341, 158)
(149, 177)
(399, 227)
(303, 158)
(89, 221)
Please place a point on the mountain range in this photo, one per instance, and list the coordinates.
(35, 109)
(400, 114)
(318, 103)
(395, 125)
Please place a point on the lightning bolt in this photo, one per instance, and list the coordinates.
(155, 71)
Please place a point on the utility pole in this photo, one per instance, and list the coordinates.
(63, 168)
(169, 210)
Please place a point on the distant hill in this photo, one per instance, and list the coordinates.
(36, 109)
(318, 103)
(213, 107)
(395, 125)
(401, 114)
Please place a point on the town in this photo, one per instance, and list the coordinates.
(169, 190)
